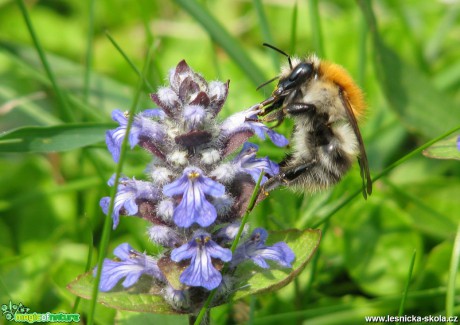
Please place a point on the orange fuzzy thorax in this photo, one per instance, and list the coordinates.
(338, 75)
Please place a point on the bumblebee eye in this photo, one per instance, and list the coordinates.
(301, 73)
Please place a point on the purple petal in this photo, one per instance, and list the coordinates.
(201, 273)
(184, 252)
(211, 187)
(194, 208)
(216, 251)
(120, 117)
(104, 204)
(177, 187)
(277, 139)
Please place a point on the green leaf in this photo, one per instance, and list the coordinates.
(379, 247)
(256, 280)
(444, 149)
(53, 138)
(130, 318)
(134, 299)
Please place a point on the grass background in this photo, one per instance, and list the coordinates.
(406, 57)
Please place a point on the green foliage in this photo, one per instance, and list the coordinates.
(54, 165)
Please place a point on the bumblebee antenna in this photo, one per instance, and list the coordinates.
(279, 51)
(267, 82)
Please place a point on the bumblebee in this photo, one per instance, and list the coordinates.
(325, 105)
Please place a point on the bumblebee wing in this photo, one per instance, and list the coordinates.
(363, 163)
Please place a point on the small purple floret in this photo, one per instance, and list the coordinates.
(194, 207)
(201, 272)
(131, 266)
(247, 162)
(256, 250)
(143, 126)
(128, 191)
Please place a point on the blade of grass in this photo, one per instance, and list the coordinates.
(383, 173)
(316, 31)
(362, 53)
(224, 39)
(249, 208)
(454, 263)
(131, 63)
(66, 112)
(265, 29)
(406, 287)
(89, 51)
(293, 40)
(108, 220)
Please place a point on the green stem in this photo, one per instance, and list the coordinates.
(252, 202)
(454, 263)
(406, 288)
(108, 220)
(131, 64)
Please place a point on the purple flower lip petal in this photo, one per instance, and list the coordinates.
(194, 207)
(201, 272)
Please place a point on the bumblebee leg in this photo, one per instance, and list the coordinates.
(277, 116)
(287, 175)
(300, 108)
(292, 172)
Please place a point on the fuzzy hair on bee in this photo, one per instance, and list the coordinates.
(325, 105)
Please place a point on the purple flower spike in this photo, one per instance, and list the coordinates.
(131, 266)
(194, 207)
(458, 143)
(128, 191)
(246, 162)
(247, 120)
(143, 126)
(254, 248)
(201, 272)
